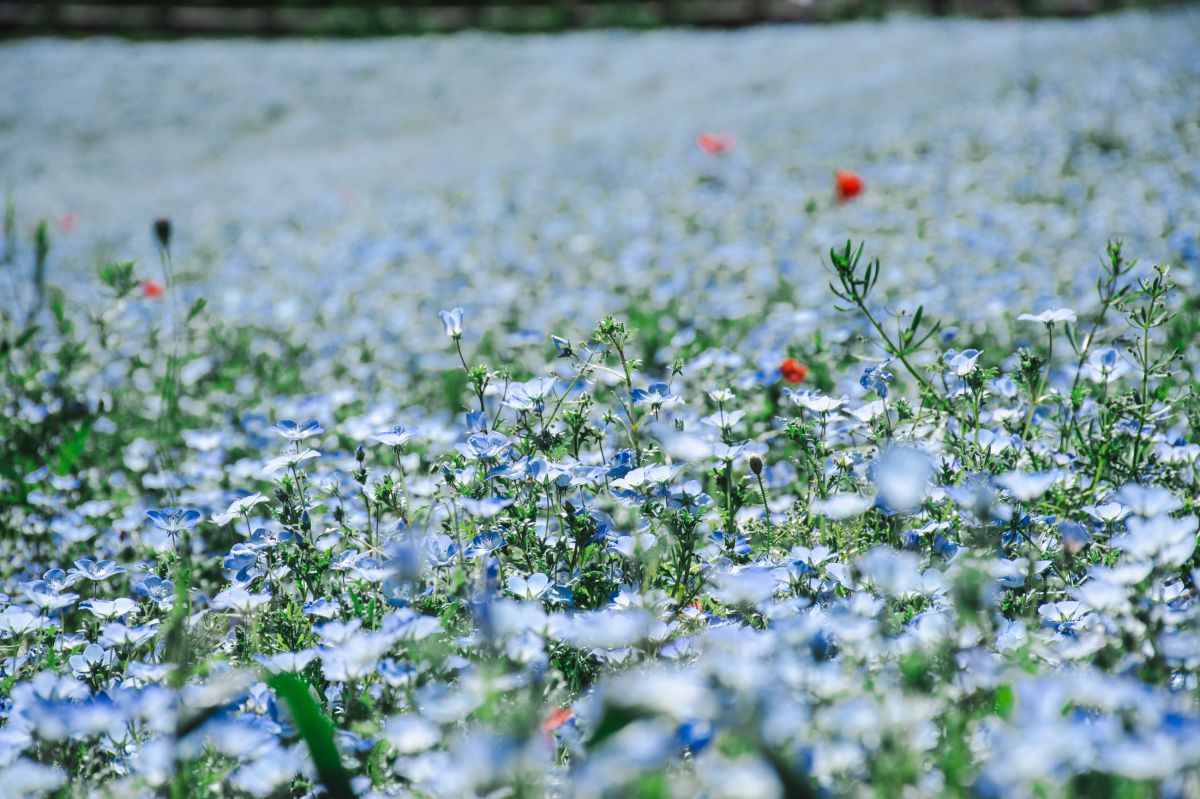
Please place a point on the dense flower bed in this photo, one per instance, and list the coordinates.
(625, 468)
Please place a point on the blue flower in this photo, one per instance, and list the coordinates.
(876, 378)
(488, 446)
(485, 544)
(452, 322)
(296, 431)
(398, 436)
(656, 395)
(174, 520)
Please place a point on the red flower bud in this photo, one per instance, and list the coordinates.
(849, 185)
(716, 143)
(793, 371)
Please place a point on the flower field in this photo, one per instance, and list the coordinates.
(789, 412)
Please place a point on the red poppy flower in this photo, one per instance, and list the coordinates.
(716, 143)
(152, 290)
(849, 185)
(793, 371)
(66, 223)
(557, 718)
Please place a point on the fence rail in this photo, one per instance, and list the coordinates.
(371, 17)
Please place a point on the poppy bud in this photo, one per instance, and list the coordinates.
(793, 371)
(162, 232)
(849, 185)
(716, 143)
(756, 465)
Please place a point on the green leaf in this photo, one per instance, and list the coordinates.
(196, 308)
(1004, 701)
(613, 721)
(71, 448)
(317, 730)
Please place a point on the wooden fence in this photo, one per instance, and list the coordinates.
(166, 18)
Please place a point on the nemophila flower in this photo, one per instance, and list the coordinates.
(745, 586)
(289, 460)
(159, 591)
(1027, 486)
(446, 704)
(297, 431)
(485, 508)
(1147, 501)
(17, 621)
(239, 508)
(534, 586)
(876, 378)
(1107, 513)
(452, 322)
(322, 608)
(961, 364)
(689, 496)
(489, 446)
(1074, 536)
(716, 143)
(530, 395)
(340, 562)
(1049, 316)
(410, 733)
(239, 600)
(816, 402)
(901, 476)
(174, 521)
(92, 662)
(485, 544)
(793, 371)
(45, 597)
(440, 550)
(97, 571)
(723, 420)
(119, 636)
(109, 609)
(59, 580)
(562, 347)
(293, 662)
(1105, 365)
(656, 395)
(1166, 540)
(370, 570)
(398, 436)
(841, 505)
(733, 543)
(1064, 617)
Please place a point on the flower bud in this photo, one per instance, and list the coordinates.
(162, 232)
(756, 465)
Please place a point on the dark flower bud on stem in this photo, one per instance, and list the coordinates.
(162, 232)
(756, 465)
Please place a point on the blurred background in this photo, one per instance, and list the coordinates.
(154, 18)
(345, 181)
